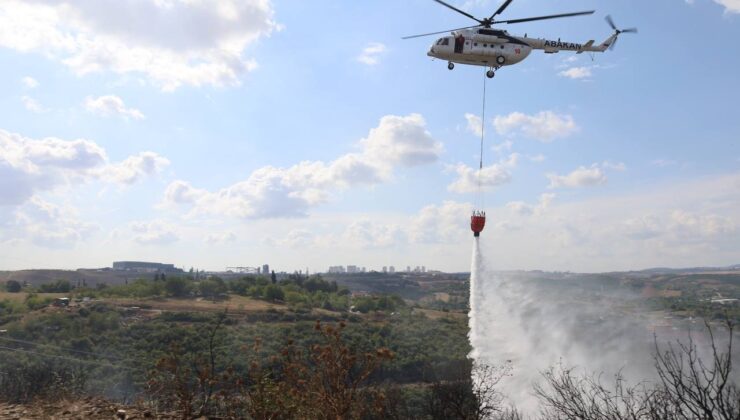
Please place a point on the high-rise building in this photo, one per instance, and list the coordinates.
(352, 269)
(408, 268)
(265, 269)
(385, 269)
(336, 269)
(391, 269)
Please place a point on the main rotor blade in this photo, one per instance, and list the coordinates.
(590, 12)
(501, 9)
(629, 31)
(610, 22)
(459, 11)
(440, 32)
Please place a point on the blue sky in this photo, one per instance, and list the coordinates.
(308, 134)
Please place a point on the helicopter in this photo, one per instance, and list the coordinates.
(482, 45)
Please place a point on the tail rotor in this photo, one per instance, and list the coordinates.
(618, 31)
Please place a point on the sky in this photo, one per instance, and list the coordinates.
(213, 134)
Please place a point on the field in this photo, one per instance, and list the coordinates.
(20, 297)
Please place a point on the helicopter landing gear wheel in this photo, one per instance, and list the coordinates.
(500, 60)
(450, 65)
(490, 74)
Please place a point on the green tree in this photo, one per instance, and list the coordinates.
(13, 286)
(177, 286)
(59, 286)
(274, 293)
(212, 287)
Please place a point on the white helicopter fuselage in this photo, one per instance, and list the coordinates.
(496, 48)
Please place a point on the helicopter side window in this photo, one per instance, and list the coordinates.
(485, 45)
(446, 41)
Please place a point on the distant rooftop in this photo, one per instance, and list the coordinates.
(144, 266)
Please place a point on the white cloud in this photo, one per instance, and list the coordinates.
(111, 105)
(616, 166)
(29, 82)
(576, 73)
(441, 224)
(538, 158)
(136, 167)
(445, 223)
(296, 239)
(585, 177)
(471, 179)
(47, 225)
(156, 232)
(367, 234)
(142, 36)
(523, 209)
(581, 177)
(731, 6)
(474, 124)
(401, 141)
(32, 105)
(545, 126)
(220, 238)
(678, 224)
(371, 53)
(29, 166)
(504, 146)
(271, 192)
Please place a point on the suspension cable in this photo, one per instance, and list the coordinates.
(482, 138)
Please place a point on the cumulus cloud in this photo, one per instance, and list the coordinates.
(731, 6)
(156, 232)
(616, 166)
(220, 238)
(144, 37)
(436, 224)
(29, 166)
(371, 53)
(679, 225)
(585, 177)
(271, 192)
(470, 179)
(136, 167)
(576, 73)
(32, 104)
(45, 224)
(581, 177)
(29, 82)
(108, 105)
(474, 124)
(504, 146)
(523, 209)
(367, 234)
(445, 223)
(544, 126)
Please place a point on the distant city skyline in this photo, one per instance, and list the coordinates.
(258, 135)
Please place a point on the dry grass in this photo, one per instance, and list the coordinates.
(20, 297)
(235, 305)
(432, 314)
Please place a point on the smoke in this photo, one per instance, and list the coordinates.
(534, 321)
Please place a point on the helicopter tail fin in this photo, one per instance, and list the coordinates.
(586, 46)
(607, 43)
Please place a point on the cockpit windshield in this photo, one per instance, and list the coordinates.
(443, 41)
